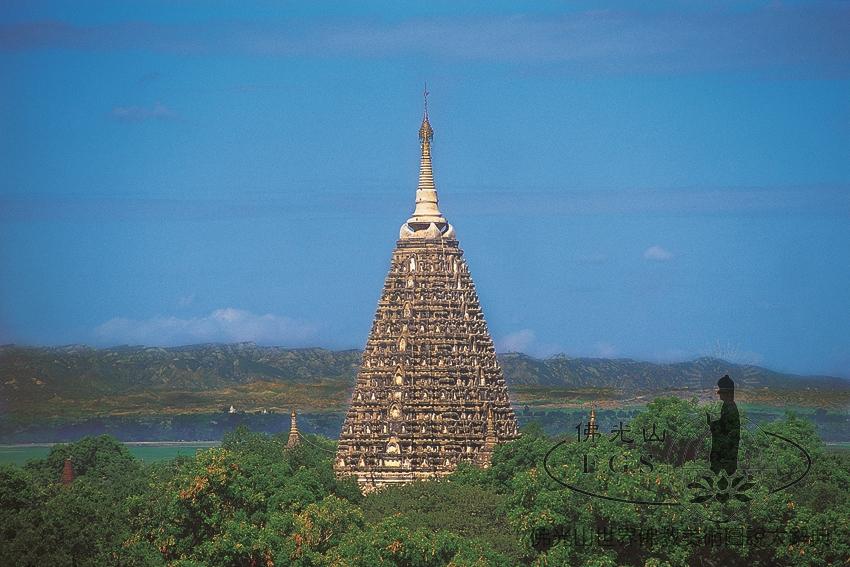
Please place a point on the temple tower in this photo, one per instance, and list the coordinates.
(430, 393)
(67, 472)
(294, 440)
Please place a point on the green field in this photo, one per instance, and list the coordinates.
(148, 452)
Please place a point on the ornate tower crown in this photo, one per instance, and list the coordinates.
(426, 133)
(427, 220)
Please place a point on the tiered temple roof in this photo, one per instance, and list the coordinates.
(430, 393)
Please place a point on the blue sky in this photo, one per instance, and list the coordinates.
(657, 182)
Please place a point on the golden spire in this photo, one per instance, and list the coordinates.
(427, 212)
(426, 133)
(485, 454)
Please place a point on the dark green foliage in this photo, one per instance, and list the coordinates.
(393, 542)
(545, 514)
(85, 523)
(475, 512)
(237, 504)
(101, 457)
(19, 514)
(252, 502)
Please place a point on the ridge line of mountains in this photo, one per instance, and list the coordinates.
(30, 374)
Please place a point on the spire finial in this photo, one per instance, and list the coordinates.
(426, 134)
(425, 94)
(427, 220)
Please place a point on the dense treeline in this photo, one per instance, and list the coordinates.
(252, 502)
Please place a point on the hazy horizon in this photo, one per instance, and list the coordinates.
(343, 349)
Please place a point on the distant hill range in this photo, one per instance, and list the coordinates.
(38, 374)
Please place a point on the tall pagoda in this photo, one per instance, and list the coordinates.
(430, 393)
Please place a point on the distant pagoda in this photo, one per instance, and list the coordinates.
(67, 472)
(293, 440)
(430, 393)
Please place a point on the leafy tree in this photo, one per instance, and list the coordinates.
(319, 528)
(393, 542)
(85, 523)
(102, 456)
(19, 512)
(471, 511)
(568, 528)
(254, 502)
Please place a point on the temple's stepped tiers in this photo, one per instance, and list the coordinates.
(430, 393)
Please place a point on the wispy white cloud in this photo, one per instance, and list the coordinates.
(657, 254)
(812, 38)
(138, 113)
(518, 341)
(525, 341)
(316, 203)
(605, 350)
(593, 259)
(222, 325)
